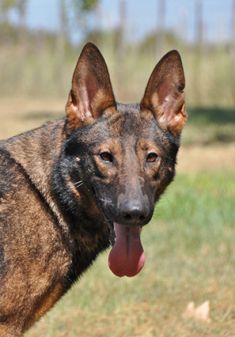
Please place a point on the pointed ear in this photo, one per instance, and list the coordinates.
(164, 94)
(91, 92)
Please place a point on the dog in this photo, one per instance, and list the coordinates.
(73, 187)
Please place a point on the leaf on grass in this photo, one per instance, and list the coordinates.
(202, 312)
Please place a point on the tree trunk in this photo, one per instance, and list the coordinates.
(22, 6)
(121, 46)
(199, 24)
(198, 52)
(61, 43)
(232, 49)
(122, 29)
(233, 30)
(160, 28)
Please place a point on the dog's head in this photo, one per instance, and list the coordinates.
(124, 155)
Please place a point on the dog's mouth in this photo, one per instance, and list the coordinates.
(126, 257)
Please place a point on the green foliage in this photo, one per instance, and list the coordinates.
(87, 5)
(6, 5)
(84, 5)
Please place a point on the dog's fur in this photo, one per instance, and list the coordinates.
(63, 185)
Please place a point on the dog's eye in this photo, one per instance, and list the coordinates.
(151, 157)
(106, 156)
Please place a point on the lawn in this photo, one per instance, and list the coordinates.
(190, 257)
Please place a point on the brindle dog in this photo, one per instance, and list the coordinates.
(71, 187)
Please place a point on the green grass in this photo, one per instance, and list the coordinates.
(190, 249)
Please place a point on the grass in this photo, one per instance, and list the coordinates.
(210, 125)
(190, 257)
(189, 244)
(37, 72)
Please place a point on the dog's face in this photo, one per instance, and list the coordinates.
(127, 160)
(124, 154)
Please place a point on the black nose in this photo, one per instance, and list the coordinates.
(133, 213)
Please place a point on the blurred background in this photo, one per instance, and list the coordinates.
(190, 242)
(40, 42)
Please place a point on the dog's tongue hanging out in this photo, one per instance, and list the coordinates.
(127, 255)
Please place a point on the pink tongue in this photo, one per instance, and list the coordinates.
(127, 255)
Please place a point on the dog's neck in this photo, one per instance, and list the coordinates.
(22, 150)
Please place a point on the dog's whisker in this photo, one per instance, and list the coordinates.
(106, 201)
(79, 183)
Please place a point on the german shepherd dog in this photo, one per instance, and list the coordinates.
(72, 187)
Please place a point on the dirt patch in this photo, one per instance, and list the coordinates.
(21, 114)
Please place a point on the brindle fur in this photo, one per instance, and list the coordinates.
(59, 198)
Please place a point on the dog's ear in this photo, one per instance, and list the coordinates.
(91, 92)
(164, 94)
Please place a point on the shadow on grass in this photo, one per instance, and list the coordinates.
(42, 115)
(209, 125)
(211, 115)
